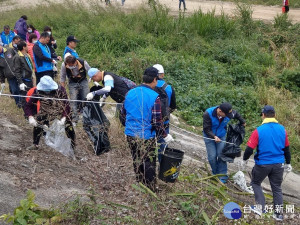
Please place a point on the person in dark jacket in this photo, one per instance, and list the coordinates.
(21, 27)
(43, 58)
(14, 43)
(215, 121)
(161, 83)
(52, 42)
(49, 110)
(76, 71)
(6, 72)
(272, 151)
(114, 86)
(143, 124)
(23, 69)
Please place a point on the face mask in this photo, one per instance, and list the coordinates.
(72, 67)
(49, 32)
(15, 45)
(30, 31)
(35, 41)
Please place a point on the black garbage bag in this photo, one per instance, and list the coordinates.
(96, 126)
(235, 135)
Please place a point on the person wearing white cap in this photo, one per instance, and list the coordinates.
(76, 71)
(48, 110)
(114, 86)
(168, 103)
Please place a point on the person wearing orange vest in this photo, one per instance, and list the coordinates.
(49, 110)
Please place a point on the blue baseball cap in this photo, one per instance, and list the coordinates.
(92, 72)
(268, 109)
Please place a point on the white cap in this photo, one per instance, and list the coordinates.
(159, 68)
(66, 55)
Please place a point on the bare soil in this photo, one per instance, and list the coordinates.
(266, 13)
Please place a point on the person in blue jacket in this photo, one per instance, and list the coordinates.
(215, 121)
(169, 90)
(143, 123)
(7, 35)
(44, 60)
(71, 45)
(272, 151)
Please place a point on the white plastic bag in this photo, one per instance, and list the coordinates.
(56, 138)
(239, 179)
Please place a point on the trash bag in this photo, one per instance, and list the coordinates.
(239, 179)
(57, 139)
(235, 135)
(96, 126)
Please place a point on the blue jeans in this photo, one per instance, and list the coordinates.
(15, 90)
(214, 149)
(78, 91)
(162, 145)
(183, 1)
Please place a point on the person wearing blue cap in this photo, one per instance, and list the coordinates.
(272, 151)
(143, 124)
(48, 110)
(114, 86)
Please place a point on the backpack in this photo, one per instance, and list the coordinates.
(164, 101)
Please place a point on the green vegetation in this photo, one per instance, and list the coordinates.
(292, 4)
(207, 58)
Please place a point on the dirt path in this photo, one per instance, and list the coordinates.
(266, 13)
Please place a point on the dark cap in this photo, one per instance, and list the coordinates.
(71, 38)
(226, 108)
(268, 109)
(151, 72)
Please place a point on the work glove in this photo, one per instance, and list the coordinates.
(22, 87)
(54, 68)
(2, 85)
(102, 101)
(32, 121)
(96, 84)
(90, 96)
(288, 168)
(168, 139)
(45, 127)
(62, 121)
(54, 62)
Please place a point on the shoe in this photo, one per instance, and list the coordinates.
(32, 147)
(278, 217)
(256, 210)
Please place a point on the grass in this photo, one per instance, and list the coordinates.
(208, 59)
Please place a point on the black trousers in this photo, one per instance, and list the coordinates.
(38, 131)
(144, 160)
(44, 73)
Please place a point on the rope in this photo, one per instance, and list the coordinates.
(58, 99)
(197, 135)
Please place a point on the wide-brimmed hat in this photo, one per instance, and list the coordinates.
(46, 84)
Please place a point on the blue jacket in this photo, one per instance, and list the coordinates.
(73, 52)
(219, 129)
(42, 65)
(138, 104)
(271, 142)
(7, 39)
